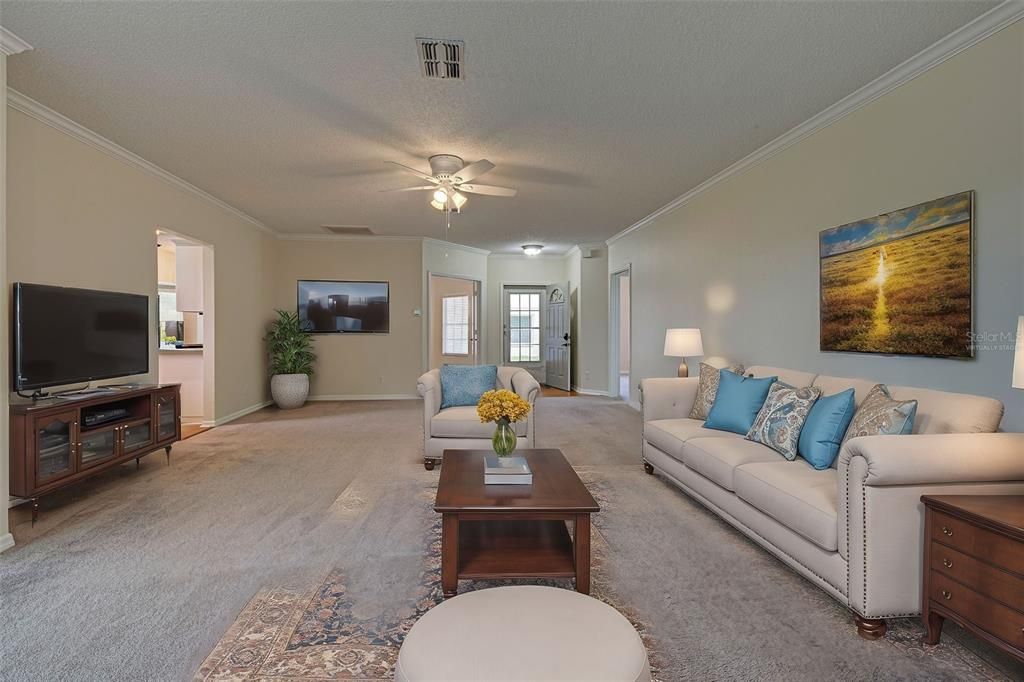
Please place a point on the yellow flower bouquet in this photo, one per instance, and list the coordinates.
(502, 407)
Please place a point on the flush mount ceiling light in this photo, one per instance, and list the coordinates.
(532, 249)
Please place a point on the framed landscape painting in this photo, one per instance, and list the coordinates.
(900, 283)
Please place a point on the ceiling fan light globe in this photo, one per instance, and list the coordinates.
(459, 200)
(440, 196)
(439, 205)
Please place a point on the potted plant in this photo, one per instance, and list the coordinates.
(291, 361)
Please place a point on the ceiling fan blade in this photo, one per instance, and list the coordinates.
(419, 174)
(489, 190)
(474, 170)
(410, 189)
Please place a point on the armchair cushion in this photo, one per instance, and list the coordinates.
(462, 385)
(463, 422)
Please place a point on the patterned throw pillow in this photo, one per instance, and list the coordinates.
(880, 415)
(782, 417)
(707, 388)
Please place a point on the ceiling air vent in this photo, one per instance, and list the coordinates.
(348, 229)
(441, 58)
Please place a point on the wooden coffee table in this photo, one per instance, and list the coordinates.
(513, 531)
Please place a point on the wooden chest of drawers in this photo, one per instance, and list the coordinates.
(974, 567)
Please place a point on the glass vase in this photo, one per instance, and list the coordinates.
(504, 439)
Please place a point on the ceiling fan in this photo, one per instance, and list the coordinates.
(449, 178)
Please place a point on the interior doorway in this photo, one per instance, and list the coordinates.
(620, 342)
(454, 320)
(185, 325)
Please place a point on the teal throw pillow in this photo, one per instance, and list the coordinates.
(881, 415)
(782, 417)
(825, 427)
(464, 384)
(737, 402)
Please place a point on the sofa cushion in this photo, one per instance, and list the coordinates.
(937, 411)
(463, 422)
(668, 435)
(717, 458)
(796, 495)
(794, 377)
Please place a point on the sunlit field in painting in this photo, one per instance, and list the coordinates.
(910, 295)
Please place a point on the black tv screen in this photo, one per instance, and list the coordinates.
(66, 336)
(343, 307)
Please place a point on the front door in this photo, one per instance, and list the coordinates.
(557, 342)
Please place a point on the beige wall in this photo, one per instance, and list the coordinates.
(441, 286)
(80, 217)
(740, 260)
(166, 263)
(351, 365)
(502, 270)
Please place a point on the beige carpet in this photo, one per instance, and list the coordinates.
(142, 575)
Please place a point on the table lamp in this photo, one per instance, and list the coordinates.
(682, 344)
(1018, 356)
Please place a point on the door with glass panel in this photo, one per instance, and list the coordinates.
(557, 342)
(523, 311)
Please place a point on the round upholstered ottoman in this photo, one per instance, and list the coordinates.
(522, 633)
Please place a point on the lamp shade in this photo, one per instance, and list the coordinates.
(1018, 355)
(683, 343)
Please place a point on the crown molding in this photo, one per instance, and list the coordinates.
(44, 114)
(11, 44)
(966, 36)
(452, 245)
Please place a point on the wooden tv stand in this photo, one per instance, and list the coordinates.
(53, 446)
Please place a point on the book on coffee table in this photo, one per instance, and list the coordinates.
(507, 471)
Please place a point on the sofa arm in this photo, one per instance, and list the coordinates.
(880, 516)
(429, 387)
(937, 458)
(526, 386)
(662, 398)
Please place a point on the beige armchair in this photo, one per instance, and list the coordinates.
(459, 428)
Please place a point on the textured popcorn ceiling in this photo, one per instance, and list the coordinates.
(599, 113)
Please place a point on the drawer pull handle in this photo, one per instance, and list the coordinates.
(947, 531)
(947, 563)
(946, 594)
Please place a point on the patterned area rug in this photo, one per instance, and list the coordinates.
(314, 632)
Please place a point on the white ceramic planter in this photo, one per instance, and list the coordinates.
(289, 390)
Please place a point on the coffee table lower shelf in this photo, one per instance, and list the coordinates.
(515, 549)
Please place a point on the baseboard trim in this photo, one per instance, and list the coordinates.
(635, 404)
(220, 421)
(6, 542)
(591, 391)
(366, 396)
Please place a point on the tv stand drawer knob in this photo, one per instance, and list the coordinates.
(946, 594)
(947, 563)
(947, 531)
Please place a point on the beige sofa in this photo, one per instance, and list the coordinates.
(855, 531)
(459, 428)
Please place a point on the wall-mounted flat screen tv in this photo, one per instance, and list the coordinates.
(327, 307)
(68, 336)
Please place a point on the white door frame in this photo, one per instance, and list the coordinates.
(210, 415)
(478, 312)
(614, 314)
